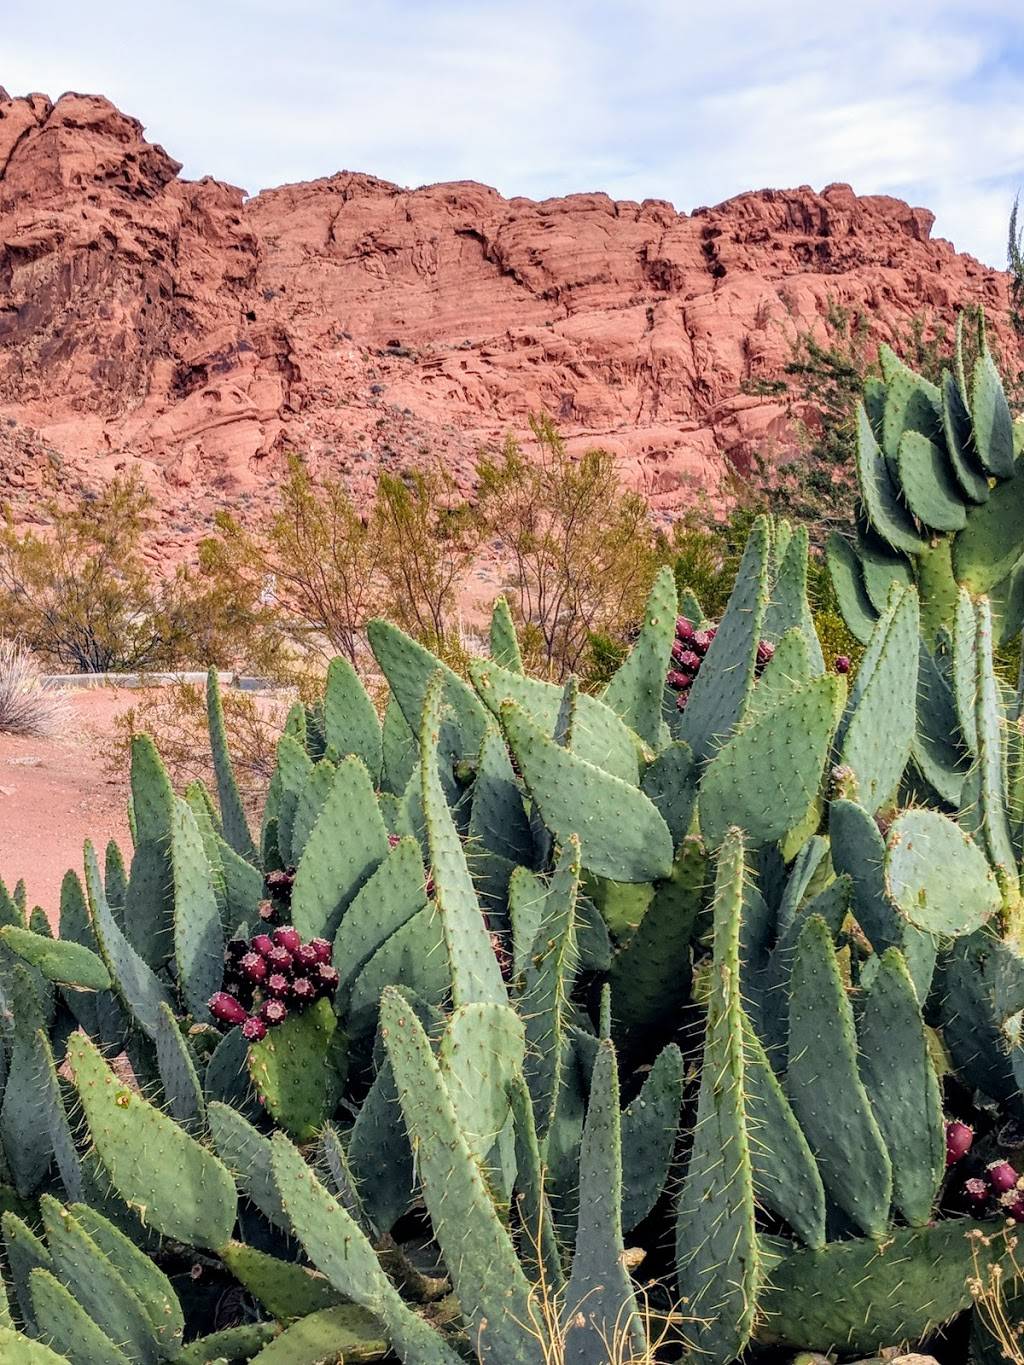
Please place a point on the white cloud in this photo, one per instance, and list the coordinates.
(659, 98)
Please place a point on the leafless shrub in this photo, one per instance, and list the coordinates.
(175, 718)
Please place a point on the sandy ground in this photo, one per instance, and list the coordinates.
(54, 794)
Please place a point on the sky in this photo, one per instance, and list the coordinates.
(666, 99)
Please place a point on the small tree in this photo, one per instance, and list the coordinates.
(323, 567)
(81, 595)
(316, 565)
(427, 539)
(582, 551)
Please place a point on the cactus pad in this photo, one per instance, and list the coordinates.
(862, 1295)
(937, 876)
(825, 1089)
(621, 834)
(766, 778)
(295, 1070)
(717, 1259)
(176, 1185)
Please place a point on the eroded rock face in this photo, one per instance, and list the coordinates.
(204, 334)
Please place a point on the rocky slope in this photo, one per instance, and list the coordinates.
(204, 333)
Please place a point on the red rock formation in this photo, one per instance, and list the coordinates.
(203, 334)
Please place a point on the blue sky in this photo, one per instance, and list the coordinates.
(663, 98)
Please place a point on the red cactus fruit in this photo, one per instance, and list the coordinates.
(842, 663)
(325, 979)
(1012, 1205)
(226, 1008)
(681, 700)
(701, 640)
(689, 661)
(279, 883)
(303, 991)
(254, 1030)
(324, 951)
(393, 840)
(679, 681)
(684, 630)
(959, 1137)
(279, 958)
(1001, 1176)
(286, 937)
(765, 653)
(273, 1012)
(976, 1192)
(277, 985)
(262, 944)
(305, 956)
(253, 968)
(266, 909)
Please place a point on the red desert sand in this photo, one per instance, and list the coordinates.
(56, 793)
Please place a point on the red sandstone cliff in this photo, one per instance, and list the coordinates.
(204, 334)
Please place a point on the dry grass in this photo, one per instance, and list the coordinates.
(995, 1288)
(28, 705)
(552, 1328)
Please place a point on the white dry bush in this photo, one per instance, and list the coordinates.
(28, 704)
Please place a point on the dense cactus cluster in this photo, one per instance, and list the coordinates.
(402, 1072)
(941, 497)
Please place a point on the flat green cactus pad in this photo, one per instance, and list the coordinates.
(937, 875)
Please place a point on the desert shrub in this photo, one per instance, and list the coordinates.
(84, 598)
(323, 568)
(581, 552)
(429, 537)
(175, 717)
(315, 561)
(27, 705)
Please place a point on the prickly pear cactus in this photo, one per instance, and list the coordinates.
(942, 497)
(481, 951)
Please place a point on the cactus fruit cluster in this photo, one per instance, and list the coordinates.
(537, 1025)
(688, 651)
(270, 976)
(998, 1190)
